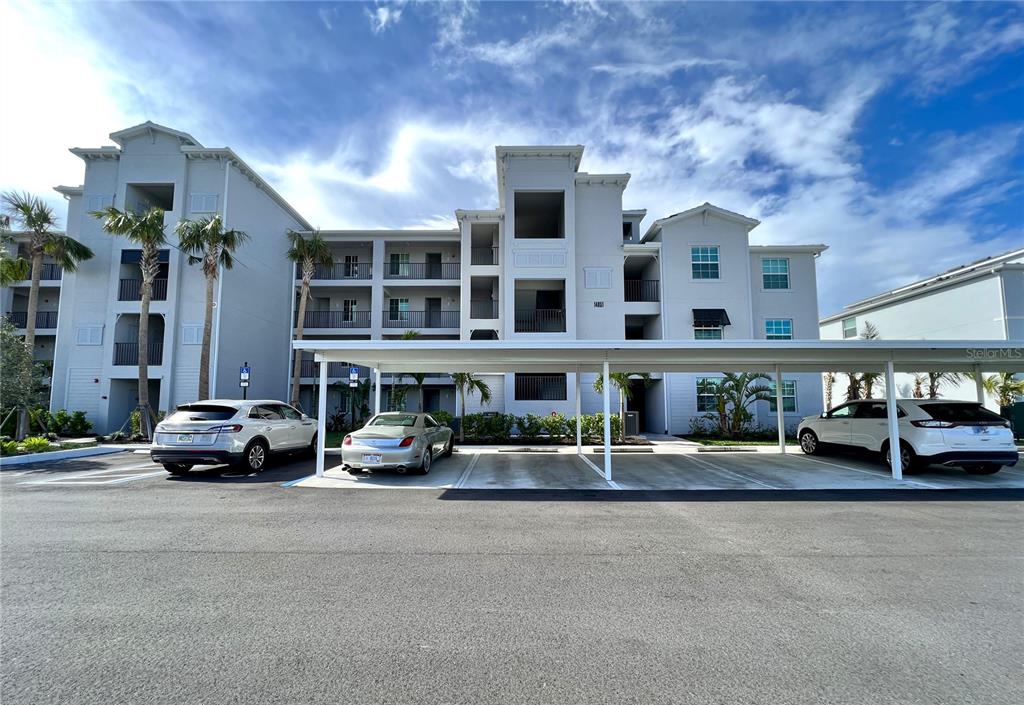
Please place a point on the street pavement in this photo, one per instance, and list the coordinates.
(226, 588)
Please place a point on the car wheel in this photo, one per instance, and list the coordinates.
(255, 456)
(447, 452)
(809, 443)
(983, 469)
(177, 468)
(428, 454)
(310, 452)
(908, 459)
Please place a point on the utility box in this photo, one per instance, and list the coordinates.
(632, 423)
(1015, 413)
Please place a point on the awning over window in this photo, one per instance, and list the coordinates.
(710, 317)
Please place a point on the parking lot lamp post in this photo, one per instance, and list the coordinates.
(780, 419)
(321, 420)
(606, 393)
(894, 429)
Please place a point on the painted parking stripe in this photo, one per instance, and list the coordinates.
(877, 475)
(90, 473)
(464, 477)
(292, 483)
(732, 473)
(600, 473)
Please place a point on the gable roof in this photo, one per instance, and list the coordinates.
(749, 223)
(122, 136)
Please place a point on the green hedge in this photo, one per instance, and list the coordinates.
(501, 428)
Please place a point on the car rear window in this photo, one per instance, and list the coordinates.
(963, 412)
(394, 420)
(201, 412)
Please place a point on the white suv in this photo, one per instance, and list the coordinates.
(231, 431)
(932, 431)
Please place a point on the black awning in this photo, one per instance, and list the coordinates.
(710, 317)
(134, 256)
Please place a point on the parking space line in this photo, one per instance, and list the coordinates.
(469, 468)
(91, 473)
(135, 477)
(876, 475)
(732, 473)
(611, 483)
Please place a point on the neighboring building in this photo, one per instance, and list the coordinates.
(983, 300)
(558, 259)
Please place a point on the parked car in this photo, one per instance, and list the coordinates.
(932, 431)
(231, 431)
(402, 441)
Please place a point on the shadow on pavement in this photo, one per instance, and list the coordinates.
(278, 471)
(765, 495)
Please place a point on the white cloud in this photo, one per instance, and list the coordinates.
(383, 16)
(660, 70)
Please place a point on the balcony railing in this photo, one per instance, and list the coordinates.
(421, 270)
(540, 320)
(483, 308)
(421, 319)
(131, 290)
(51, 271)
(128, 353)
(44, 319)
(643, 290)
(483, 255)
(336, 319)
(311, 368)
(343, 270)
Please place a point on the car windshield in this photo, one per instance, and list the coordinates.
(201, 412)
(963, 412)
(394, 420)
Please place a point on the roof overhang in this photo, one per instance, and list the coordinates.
(149, 127)
(816, 249)
(669, 355)
(492, 215)
(703, 209)
(574, 153)
(620, 180)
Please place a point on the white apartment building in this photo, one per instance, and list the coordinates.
(983, 300)
(558, 258)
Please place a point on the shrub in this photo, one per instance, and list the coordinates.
(530, 425)
(557, 425)
(35, 444)
(116, 437)
(489, 427)
(9, 448)
(442, 417)
(592, 425)
(40, 420)
(61, 421)
(78, 424)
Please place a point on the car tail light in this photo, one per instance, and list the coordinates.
(232, 428)
(933, 423)
(407, 441)
(347, 441)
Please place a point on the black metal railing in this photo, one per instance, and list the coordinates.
(421, 270)
(483, 255)
(344, 270)
(44, 319)
(540, 320)
(643, 290)
(131, 290)
(336, 319)
(51, 271)
(483, 308)
(540, 387)
(128, 353)
(311, 368)
(421, 319)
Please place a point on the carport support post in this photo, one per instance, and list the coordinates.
(607, 394)
(894, 429)
(780, 419)
(376, 390)
(579, 421)
(321, 420)
(979, 384)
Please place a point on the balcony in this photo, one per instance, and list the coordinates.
(131, 290)
(421, 319)
(422, 270)
(51, 272)
(484, 308)
(311, 368)
(642, 290)
(344, 271)
(336, 319)
(483, 255)
(540, 320)
(44, 319)
(128, 353)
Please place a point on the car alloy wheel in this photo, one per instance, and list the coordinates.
(256, 458)
(906, 460)
(425, 467)
(808, 443)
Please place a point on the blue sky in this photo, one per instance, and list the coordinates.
(893, 133)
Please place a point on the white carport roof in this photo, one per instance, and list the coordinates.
(670, 355)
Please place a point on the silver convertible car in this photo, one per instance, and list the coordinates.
(401, 441)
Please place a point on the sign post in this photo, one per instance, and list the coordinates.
(353, 382)
(243, 379)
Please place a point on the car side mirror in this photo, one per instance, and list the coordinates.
(824, 415)
(305, 417)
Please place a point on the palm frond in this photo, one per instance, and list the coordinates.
(66, 251)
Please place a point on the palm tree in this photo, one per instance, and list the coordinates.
(467, 381)
(420, 377)
(206, 242)
(829, 380)
(622, 382)
(35, 216)
(734, 393)
(1003, 386)
(935, 380)
(862, 386)
(306, 253)
(146, 230)
(13, 268)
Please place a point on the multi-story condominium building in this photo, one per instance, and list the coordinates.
(983, 300)
(557, 259)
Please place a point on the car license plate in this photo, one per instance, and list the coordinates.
(980, 430)
(371, 457)
(184, 438)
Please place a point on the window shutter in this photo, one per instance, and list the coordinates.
(98, 203)
(203, 203)
(191, 334)
(597, 277)
(89, 335)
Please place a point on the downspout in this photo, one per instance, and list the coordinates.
(215, 345)
(664, 327)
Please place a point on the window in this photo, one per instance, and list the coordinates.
(192, 334)
(399, 264)
(289, 413)
(269, 413)
(778, 329)
(775, 273)
(201, 412)
(89, 335)
(348, 310)
(704, 262)
(98, 203)
(398, 309)
(597, 277)
(788, 396)
(843, 412)
(203, 202)
(707, 394)
(531, 387)
(352, 266)
(429, 422)
(707, 333)
(849, 327)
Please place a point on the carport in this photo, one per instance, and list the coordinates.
(605, 357)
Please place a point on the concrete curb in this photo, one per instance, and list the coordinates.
(57, 455)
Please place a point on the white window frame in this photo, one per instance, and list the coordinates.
(768, 335)
(402, 260)
(699, 382)
(203, 202)
(788, 274)
(717, 261)
(399, 312)
(788, 392)
(846, 334)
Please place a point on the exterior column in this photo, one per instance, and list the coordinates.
(780, 418)
(979, 384)
(376, 390)
(607, 394)
(321, 420)
(894, 429)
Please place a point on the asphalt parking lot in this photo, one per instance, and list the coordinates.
(226, 588)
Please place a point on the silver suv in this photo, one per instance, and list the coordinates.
(241, 433)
